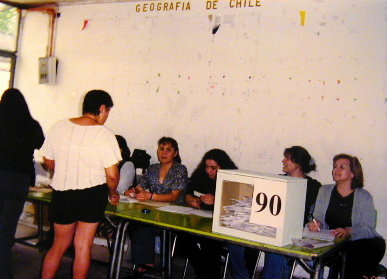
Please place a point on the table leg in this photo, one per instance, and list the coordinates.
(39, 233)
(40, 222)
(343, 262)
(317, 270)
(121, 249)
(166, 254)
(113, 259)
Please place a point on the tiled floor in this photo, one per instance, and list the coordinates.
(27, 262)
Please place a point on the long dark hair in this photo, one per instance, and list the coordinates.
(300, 156)
(219, 156)
(125, 151)
(125, 154)
(173, 143)
(14, 112)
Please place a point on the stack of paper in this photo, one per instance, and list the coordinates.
(311, 243)
(320, 235)
(312, 240)
(237, 216)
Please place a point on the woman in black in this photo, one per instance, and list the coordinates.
(348, 211)
(20, 135)
(297, 162)
(206, 260)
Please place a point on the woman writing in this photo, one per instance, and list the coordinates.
(348, 210)
(163, 182)
(297, 162)
(201, 194)
(20, 135)
(83, 155)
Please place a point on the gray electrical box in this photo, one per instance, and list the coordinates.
(47, 70)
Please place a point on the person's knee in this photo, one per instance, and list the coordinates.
(82, 248)
(59, 246)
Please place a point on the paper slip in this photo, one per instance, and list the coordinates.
(198, 194)
(176, 209)
(321, 235)
(127, 199)
(153, 203)
(311, 243)
(186, 210)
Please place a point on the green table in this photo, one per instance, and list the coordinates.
(40, 199)
(202, 226)
(194, 224)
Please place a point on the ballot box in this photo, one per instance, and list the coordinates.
(266, 208)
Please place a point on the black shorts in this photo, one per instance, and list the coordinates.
(87, 205)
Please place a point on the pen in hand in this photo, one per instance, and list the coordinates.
(314, 221)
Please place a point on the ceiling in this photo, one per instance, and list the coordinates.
(24, 4)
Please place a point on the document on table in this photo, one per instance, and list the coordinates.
(127, 199)
(176, 209)
(186, 210)
(311, 243)
(321, 235)
(153, 203)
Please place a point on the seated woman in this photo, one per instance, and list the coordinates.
(126, 167)
(348, 210)
(206, 260)
(164, 182)
(297, 162)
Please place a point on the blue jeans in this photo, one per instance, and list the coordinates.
(205, 260)
(276, 266)
(242, 261)
(13, 193)
(237, 262)
(143, 243)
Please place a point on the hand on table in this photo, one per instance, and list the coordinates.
(130, 192)
(143, 196)
(342, 232)
(114, 198)
(208, 199)
(195, 202)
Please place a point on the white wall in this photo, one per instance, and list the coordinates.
(263, 82)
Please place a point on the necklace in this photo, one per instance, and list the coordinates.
(91, 118)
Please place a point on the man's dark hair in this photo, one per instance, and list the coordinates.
(93, 101)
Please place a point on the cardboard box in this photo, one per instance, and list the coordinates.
(266, 208)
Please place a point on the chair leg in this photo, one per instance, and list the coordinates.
(185, 268)
(256, 264)
(186, 260)
(174, 245)
(293, 268)
(225, 265)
